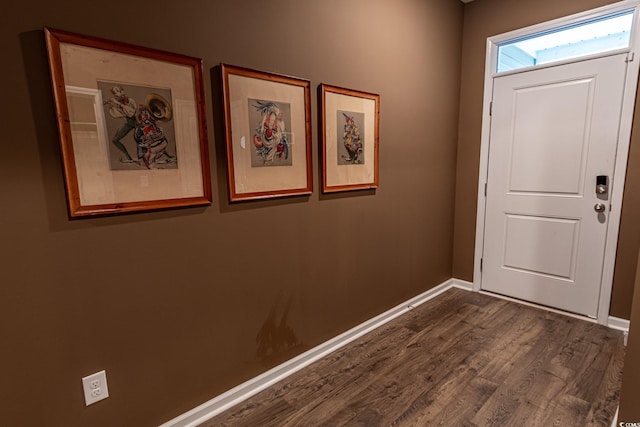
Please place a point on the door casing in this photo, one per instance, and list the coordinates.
(624, 136)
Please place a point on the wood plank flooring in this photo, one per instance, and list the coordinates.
(461, 359)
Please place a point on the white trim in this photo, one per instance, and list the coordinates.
(624, 137)
(620, 171)
(484, 167)
(462, 284)
(249, 388)
(614, 423)
(559, 23)
(618, 324)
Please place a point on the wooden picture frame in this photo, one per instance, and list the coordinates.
(350, 123)
(268, 134)
(132, 125)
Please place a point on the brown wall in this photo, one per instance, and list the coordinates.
(630, 393)
(485, 18)
(170, 303)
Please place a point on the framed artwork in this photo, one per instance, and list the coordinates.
(268, 134)
(131, 123)
(350, 122)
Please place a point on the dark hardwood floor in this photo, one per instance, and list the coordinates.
(461, 359)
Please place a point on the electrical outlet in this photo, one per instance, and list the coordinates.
(95, 387)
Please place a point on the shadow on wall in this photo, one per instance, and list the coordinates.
(276, 338)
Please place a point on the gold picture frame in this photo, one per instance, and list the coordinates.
(350, 122)
(268, 134)
(131, 124)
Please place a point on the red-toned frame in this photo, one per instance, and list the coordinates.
(54, 38)
(373, 144)
(234, 193)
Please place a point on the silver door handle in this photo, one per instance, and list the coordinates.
(599, 207)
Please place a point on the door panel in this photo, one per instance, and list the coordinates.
(553, 131)
(540, 232)
(551, 136)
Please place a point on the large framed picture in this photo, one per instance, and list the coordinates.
(131, 123)
(268, 134)
(350, 123)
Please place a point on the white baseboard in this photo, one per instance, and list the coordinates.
(462, 284)
(255, 385)
(619, 324)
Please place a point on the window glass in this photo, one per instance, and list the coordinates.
(585, 38)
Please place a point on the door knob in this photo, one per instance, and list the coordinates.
(599, 207)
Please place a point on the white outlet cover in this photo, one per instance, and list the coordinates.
(95, 387)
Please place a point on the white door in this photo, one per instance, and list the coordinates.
(553, 132)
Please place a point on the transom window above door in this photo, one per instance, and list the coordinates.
(591, 37)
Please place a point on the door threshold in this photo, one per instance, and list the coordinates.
(540, 306)
(621, 325)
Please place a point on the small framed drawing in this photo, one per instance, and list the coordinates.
(131, 123)
(350, 122)
(268, 134)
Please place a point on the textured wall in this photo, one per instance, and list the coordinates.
(171, 303)
(485, 18)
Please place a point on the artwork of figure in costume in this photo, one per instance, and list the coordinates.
(270, 138)
(120, 105)
(351, 139)
(151, 141)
